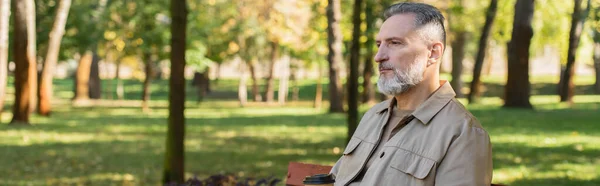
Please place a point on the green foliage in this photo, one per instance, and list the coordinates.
(464, 11)
(551, 24)
(196, 59)
(502, 28)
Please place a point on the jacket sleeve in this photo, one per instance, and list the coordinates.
(336, 167)
(468, 160)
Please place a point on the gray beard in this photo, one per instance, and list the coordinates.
(402, 81)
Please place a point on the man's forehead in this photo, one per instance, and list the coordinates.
(398, 25)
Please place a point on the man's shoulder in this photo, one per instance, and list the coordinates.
(456, 111)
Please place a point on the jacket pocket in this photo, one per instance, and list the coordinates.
(352, 145)
(412, 164)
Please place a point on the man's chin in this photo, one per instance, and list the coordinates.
(386, 76)
(395, 90)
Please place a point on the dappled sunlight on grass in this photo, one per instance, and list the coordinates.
(579, 142)
(566, 172)
(26, 138)
(113, 142)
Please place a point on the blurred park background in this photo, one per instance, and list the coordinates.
(117, 92)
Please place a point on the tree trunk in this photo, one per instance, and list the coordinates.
(353, 79)
(488, 62)
(108, 60)
(269, 89)
(596, 38)
(517, 90)
(483, 42)
(95, 84)
(283, 81)
(174, 158)
(566, 86)
(82, 77)
(242, 90)
(368, 95)
(458, 54)
(33, 70)
(255, 92)
(25, 60)
(597, 65)
(149, 71)
(334, 43)
(206, 77)
(45, 85)
(319, 92)
(4, 24)
(218, 73)
(294, 82)
(120, 91)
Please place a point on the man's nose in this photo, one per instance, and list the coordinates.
(381, 56)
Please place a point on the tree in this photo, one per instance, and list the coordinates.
(25, 59)
(458, 53)
(483, 41)
(459, 34)
(596, 38)
(255, 93)
(4, 23)
(45, 85)
(153, 37)
(368, 95)
(597, 65)
(95, 83)
(319, 89)
(174, 157)
(242, 89)
(149, 71)
(283, 81)
(353, 78)
(517, 90)
(119, 90)
(597, 60)
(89, 35)
(82, 77)
(334, 58)
(566, 86)
(269, 90)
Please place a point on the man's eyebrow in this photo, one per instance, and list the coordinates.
(393, 38)
(389, 39)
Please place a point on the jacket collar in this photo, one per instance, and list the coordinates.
(428, 109)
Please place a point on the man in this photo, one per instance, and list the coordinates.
(423, 135)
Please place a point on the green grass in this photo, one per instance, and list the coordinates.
(118, 144)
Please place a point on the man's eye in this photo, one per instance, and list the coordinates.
(378, 44)
(395, 42)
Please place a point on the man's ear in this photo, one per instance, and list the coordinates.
(437, 50)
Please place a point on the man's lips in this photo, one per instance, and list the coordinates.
(384, 69)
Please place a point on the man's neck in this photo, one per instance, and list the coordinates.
(413, 97)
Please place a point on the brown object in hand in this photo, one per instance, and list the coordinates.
(298, 171)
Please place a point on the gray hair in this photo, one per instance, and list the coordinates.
(429, 21)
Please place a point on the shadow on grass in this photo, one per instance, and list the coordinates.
(583, 119)
(91, 162)
(510, 155)
(556, 181)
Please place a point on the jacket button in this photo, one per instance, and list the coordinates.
(381, 156)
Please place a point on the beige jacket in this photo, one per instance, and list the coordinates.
(441, 144)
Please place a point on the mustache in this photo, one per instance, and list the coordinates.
(386, 66)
